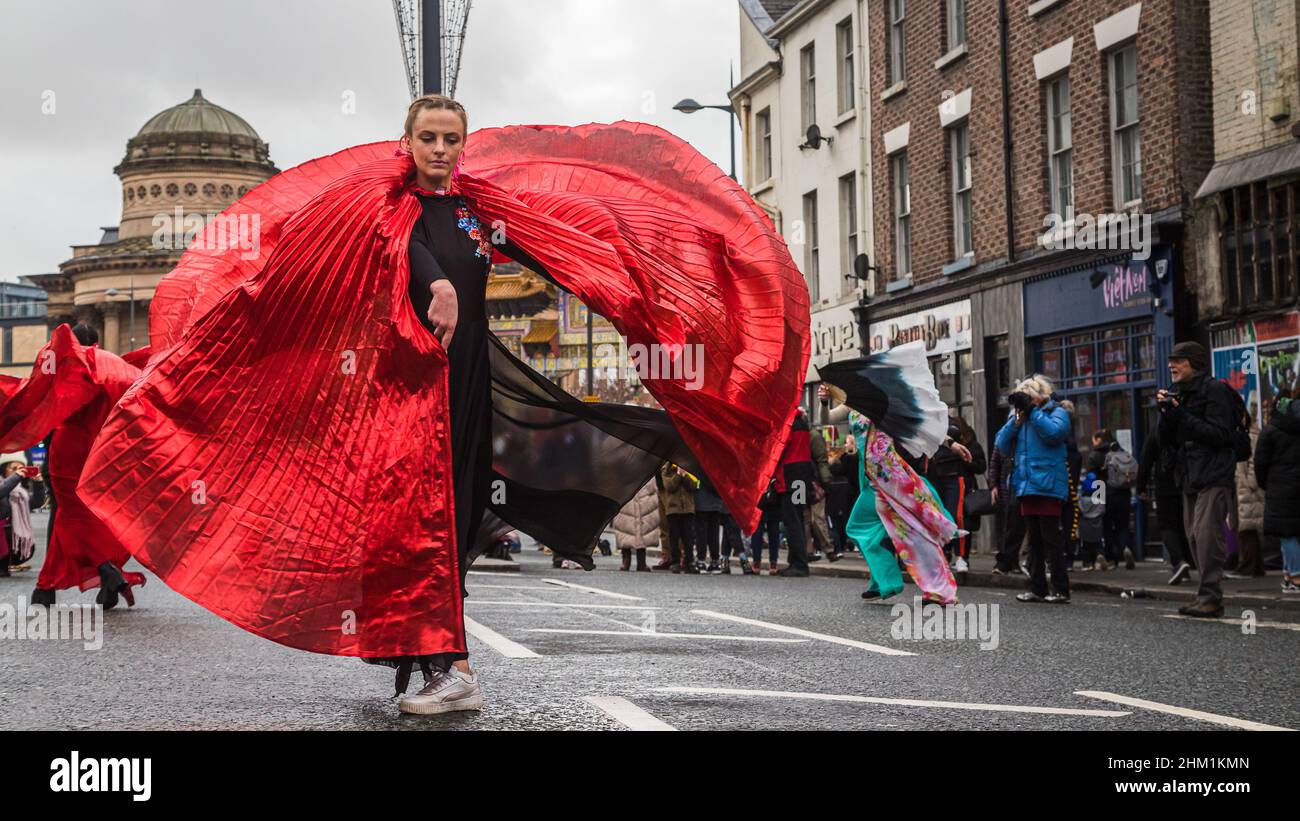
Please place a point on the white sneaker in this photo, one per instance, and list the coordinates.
(446, 692)
(960, 566)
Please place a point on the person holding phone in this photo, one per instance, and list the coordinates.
(15, 510)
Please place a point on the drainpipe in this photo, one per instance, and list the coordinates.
(866, 196)
(1007, 182)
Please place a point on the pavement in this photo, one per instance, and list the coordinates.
(609, 650)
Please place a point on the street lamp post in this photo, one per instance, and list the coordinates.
(689, 106)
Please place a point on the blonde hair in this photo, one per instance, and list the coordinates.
(1037, 386)
(431, 102)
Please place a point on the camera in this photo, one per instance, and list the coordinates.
(1021, 401)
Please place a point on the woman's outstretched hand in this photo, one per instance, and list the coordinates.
(443, 311)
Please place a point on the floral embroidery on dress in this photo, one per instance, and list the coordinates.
(470, 225)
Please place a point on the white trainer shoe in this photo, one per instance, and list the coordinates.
(448, 691)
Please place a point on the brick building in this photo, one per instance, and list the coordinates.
(1035, 165)
(1245, 288)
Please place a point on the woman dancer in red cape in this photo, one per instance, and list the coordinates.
(73, 386)
(304, 453)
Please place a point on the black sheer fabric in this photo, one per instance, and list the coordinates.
(562, 468)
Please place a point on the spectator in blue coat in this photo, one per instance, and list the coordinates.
(1035, 435)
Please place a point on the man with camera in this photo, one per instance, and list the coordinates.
(1196, 420)
(1035, 437)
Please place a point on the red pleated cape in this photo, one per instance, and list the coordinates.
(70, 391)
(284, 459)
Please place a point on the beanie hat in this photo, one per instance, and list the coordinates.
(1193, 352)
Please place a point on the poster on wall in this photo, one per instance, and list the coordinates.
(1236, 365)
(1277, 372)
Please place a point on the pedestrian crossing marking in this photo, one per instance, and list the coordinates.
(861, 645)
(899, 702)
(1201, 715)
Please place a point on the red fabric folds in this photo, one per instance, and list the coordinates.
(286, 462)
(654, 237)
(284, 458)
(70, 391)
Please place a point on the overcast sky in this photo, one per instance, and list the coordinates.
(284, 66)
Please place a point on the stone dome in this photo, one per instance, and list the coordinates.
(197, 115)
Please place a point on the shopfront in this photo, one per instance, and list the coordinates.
(1102, 333)
(1260, 358)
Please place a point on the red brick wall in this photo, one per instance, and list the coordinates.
(1174, 109)
(927, 151)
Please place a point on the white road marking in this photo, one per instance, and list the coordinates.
(595, 590)
(627, 713)
(1226, 721)
(861, 645)
(579, 605)
(478, 586)
(1276, 625)
(901, 702)
(653, 635)
(504, 646)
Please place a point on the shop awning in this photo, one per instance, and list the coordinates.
(1274, 162)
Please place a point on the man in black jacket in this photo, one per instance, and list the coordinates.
(1197, 420)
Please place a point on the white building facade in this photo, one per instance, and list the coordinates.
(804, 64)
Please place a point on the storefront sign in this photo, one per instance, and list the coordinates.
(1071, 300)
(943, 329)
(835, 335)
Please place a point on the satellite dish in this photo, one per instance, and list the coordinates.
(814, 138)
(862, 266)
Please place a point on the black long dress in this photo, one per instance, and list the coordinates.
(565, 467)
(442, 248)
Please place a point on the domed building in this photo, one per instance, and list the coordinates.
(193, 159)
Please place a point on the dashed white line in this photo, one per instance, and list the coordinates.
(652, 635)
(861, 645)
(595, 590)
(1200, 715)
(1276, 625)
(578, 605)
(504, 646)
(628, 714)
(900, 702)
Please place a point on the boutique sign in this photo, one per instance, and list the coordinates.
(1096, 295)
(943, 329)
(834, 334)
